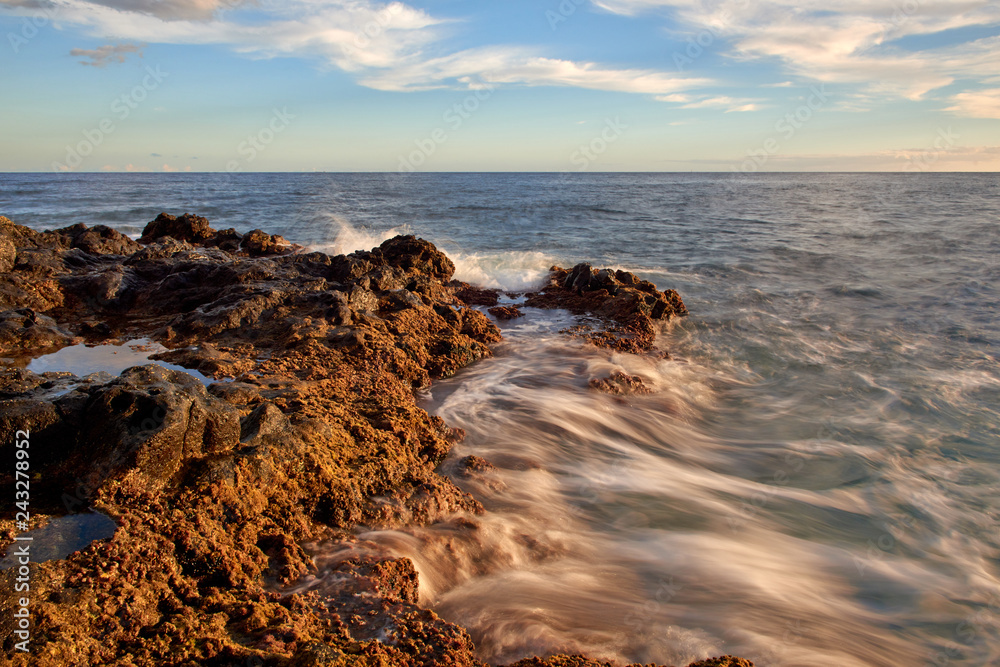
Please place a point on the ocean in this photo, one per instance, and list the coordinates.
(815, 480)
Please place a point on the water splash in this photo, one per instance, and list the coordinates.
(348, 238)
(513, 271)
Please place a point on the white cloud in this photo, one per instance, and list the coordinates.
(844, 41)
(170, 10)
(390, 46)
(977, 104)
(730, 104)
(478, 67)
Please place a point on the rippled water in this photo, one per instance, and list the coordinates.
(815, 479)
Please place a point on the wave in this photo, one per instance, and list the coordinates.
(512, 271)
(350, 239)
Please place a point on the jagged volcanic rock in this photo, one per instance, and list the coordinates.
(627, 305)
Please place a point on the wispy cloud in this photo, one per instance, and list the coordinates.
(390, 47)
(172, 10)
(730, 104)
(491, 65)
(844, 41)
(977, 104)
(102, 56)
(955, 158)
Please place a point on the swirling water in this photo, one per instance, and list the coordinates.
(815, 479)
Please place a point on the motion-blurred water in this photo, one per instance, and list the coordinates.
(814, 481)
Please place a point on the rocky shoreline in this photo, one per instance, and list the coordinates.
(310, 430)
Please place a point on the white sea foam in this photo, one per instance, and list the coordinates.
(513, 271)
(351, 238)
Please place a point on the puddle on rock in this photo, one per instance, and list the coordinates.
(82, 360)
(62, 536)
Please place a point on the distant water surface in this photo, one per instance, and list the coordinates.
(815, 480)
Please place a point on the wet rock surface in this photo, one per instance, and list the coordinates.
(215, 489)
(626, 306)
(620, 384)
(505, 312)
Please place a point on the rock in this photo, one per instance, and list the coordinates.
(8, 253)
(475, 296)
(191, 228)
(98, 240)
(112, 289)
(162, 248)
(418, 256)
(18, 234)
(579, 278)
(477, 326)
(260, 244)
(620, 384)
(394, 579)
(505, 312)
(399, 299)
(627, 305)
(225, 239)
(348, 268)
(362, 300)
(339, 313)
(724, 661)
(24, 332)
(480, 470)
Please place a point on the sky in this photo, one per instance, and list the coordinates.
(548, 85)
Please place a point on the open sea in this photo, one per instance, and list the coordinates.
(815, 480)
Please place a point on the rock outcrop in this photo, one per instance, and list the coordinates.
(620, 384)
(310, 431)
(627, 305)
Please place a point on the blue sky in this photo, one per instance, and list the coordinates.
(570, 85)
